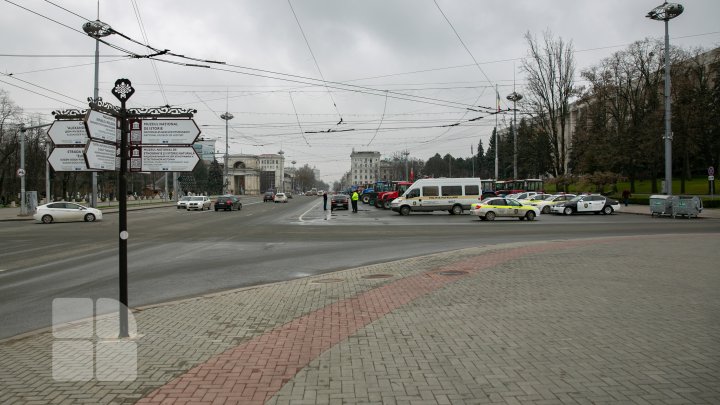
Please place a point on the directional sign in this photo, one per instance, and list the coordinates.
(68, 133)
(101, 156)
(68, 160)
(163, 159)
(102, 127)
(163, 131)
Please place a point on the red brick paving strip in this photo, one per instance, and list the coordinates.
(254, 371)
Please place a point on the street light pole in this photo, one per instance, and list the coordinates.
(666, 12)
(406, 153)
(96, 29)
(282, 171)
(514, 97)
(227, 117)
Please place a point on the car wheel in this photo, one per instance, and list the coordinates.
(386, 204)
(366, 199)
(567, 211)
(546, 209)
(530, 215)
(607, 210)
(404, 210)
(456, 210)
(89, 218)
(47, 219)
(490, 216)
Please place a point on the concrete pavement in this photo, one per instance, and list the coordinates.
(622, 319)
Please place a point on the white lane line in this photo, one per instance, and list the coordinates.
(300, 218)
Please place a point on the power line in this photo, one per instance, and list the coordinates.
(136, 9)
(315, 60)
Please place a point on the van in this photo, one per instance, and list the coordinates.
(452, 195)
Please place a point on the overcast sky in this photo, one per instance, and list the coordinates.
(396, 72)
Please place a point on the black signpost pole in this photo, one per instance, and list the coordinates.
(123, 90)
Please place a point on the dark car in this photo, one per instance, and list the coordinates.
(228, 203)
(269, 196)
(339, 201)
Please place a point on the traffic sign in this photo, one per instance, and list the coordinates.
(163, 159)
(163, 131)
(68, 132)
(68, 160)
(101, 156)
(103, 127)
(711, 171)
(20, 172)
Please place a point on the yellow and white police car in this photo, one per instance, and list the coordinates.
(493, 207)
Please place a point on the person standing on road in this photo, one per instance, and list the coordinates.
(354, 200)
(324, 200)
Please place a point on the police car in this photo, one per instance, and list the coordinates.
(493, 207)
(594, 203)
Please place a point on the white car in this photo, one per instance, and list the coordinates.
(546, 205)
(62, 211)
(182, 202)
(280, 197)
(587, 203)
(199, 202)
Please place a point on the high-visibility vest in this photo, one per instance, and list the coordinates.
(355, 196)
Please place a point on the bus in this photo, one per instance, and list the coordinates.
(505, 187)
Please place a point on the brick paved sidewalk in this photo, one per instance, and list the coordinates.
(592, 321)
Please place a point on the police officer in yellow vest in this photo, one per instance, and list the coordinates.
(354, 200)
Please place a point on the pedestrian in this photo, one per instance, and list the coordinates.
(324, 200)
(354, 200)
(626, 196)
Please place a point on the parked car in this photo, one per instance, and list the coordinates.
(62, 211)
(199, 202)
(268, 196)
(182, 202)
(546, 205)
(280, 197)
(228, 203)
(338, 201)
(491, 208)
(594, 203)
(308, 193)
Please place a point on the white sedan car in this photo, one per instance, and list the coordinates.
(182, 203)
(62, 211)
(199, 202)
(280, 197)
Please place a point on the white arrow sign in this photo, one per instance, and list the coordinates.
(68, 133)
(102, 126)
(68, 160)
(163, 132)
(163, 159)
(100, 156)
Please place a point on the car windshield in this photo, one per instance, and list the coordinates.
(197, 199)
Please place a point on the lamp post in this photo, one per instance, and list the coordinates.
(514, 97)
(282, 171)
(406, 153)
(293, 176)
(96, 29)
(227, 117)
(666, 12)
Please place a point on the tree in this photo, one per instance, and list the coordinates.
(215, 178)
(305, 177)
(550, 72)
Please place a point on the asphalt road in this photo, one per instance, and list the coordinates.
(176, 254)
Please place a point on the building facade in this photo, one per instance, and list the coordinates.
(364, 167)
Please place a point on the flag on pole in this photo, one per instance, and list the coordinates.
(498, 97)
(412, 175)
(471, 150)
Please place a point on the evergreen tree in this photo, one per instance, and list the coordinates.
(215, 178)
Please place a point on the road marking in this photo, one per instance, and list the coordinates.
(300, 218)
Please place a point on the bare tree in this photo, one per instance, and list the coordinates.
(550, 68)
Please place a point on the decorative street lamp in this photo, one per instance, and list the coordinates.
(293, 177)
(514, 97)
(96, 29)
(282, 171)
(227, 117)
(666, 12)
